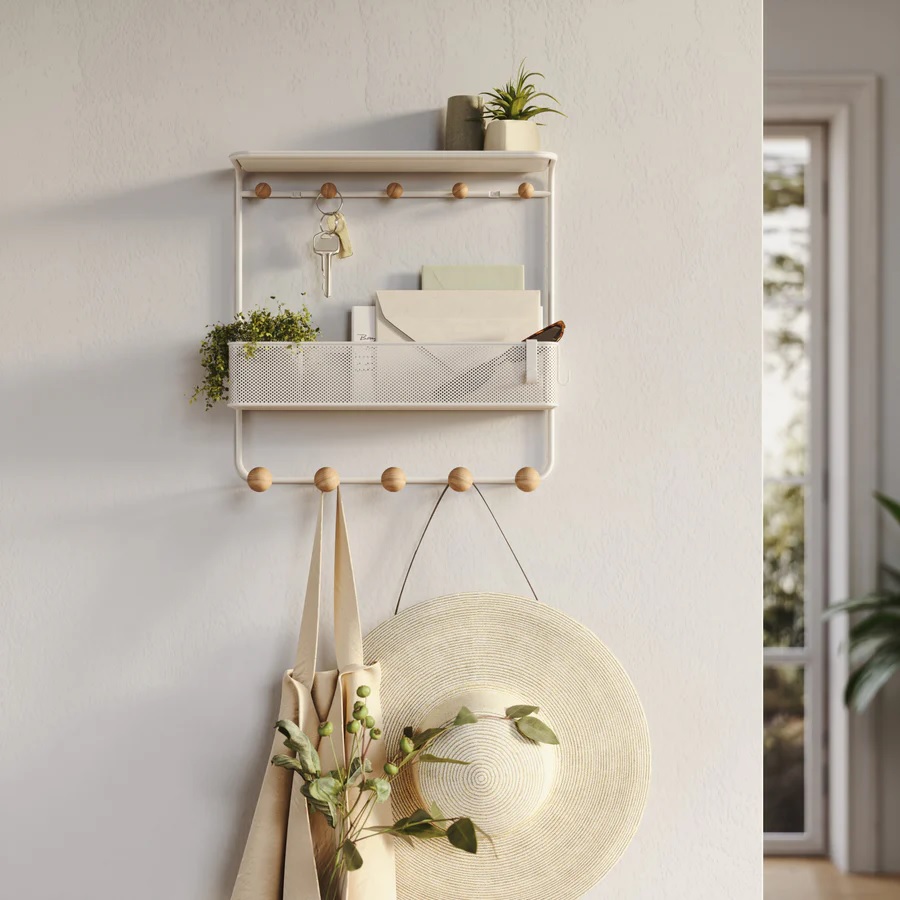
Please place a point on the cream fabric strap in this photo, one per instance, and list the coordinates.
(284, 843)
(347, 632)
(308, 640)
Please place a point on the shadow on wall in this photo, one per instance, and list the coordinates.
(130, 766)
(195, 210)
(423, 130)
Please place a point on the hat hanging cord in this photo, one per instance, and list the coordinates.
(425, 529)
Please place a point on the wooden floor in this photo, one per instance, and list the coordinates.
(816, 879)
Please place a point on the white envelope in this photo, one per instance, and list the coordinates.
(473, 278)
(440, 316)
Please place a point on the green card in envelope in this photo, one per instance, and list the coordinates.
(473, 278)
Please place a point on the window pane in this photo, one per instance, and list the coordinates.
(783, 562)
(785, 219)
(783, 757)
(786, 245)
(786, 381)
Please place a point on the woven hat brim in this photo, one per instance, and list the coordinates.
(465, 642)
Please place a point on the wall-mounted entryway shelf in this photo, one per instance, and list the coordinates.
(330, 375)
(370, 376)
(398, 162)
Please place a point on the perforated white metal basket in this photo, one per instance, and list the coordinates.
(372, 375)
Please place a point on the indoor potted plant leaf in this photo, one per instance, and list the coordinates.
(511, 111)
(874, 643)
(252, 328)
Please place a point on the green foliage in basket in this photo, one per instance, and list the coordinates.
(251, 327)
(515, 99)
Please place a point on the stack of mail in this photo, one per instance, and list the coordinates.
(473, 278)
(441, 316)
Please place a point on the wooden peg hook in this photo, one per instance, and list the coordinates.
(394, 190)
(393, 479)
(460, 479)
(328, 190)
(460, 190)
(259, 479)
(327, 479)
(528, 479)
(263, 190)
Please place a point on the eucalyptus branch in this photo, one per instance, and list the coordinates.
(348, 794)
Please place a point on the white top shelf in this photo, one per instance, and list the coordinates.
(392, 161)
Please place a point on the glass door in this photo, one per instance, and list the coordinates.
(794, 407)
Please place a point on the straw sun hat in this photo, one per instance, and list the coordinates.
(559, 816)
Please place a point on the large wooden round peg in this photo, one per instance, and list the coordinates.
(394, 190)
(460, 479)
(259, 479)
(263, 190)
(526, 190)
(528, 479)
(328, 190)
(327, 479)
(460, 190)
(393, 479)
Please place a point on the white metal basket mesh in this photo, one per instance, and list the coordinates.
(372, 375)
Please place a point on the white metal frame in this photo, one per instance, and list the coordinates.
(811, 656)
(397, 163)
(848, 105)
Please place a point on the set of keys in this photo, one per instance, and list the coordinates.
(326, 245)
(332, 240)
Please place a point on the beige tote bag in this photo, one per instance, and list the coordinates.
(286, 839)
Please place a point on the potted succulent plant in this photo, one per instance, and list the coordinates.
(510, 112)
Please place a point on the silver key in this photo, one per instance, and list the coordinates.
(326, 244)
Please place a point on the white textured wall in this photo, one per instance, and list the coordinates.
(149, 600)
(822, 36)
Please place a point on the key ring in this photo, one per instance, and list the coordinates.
(323, 222)
(333, 212)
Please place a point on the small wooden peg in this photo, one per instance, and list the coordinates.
(393, 479)
(263, 190)
(328, 190)
(259, 479)
(460, 191)
(327, 479)
(526, 190)
(394, 190)
(528, 479)
(460, 479)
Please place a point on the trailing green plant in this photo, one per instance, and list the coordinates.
(250, 327)
(515, 99)
(346, 796)
(874, 643)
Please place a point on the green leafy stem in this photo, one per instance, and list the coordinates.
(346, 796)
